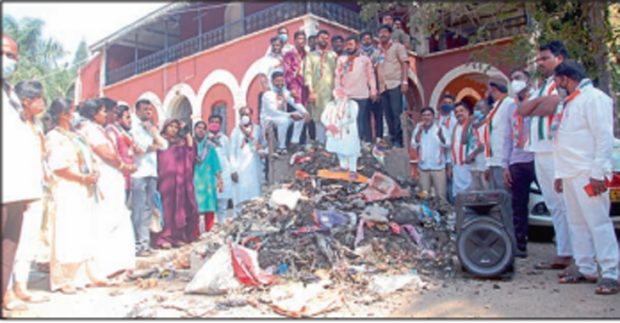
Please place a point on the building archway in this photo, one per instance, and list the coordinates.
(217, 98)
(476, 77)
(181, 109)
(175, 97)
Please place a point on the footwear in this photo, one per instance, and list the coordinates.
(607, 286)
(521, 253)
(143, 253)
(165, 245)
(15, 305)
(68, 290)
(551, 265)
(577, 278)
(37, 299)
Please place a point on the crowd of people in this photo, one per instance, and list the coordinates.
(559, 133)
(92, 186)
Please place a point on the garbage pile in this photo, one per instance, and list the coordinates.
(320, 222)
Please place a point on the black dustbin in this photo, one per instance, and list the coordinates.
(485, 236)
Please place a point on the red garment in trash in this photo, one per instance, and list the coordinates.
(382, 187)
(247, 270)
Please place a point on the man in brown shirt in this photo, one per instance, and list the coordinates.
(392, 70)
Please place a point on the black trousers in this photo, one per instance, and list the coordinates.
(523, 174)
(392, 105)
(12, 216)
(376, 110)
(363, 120)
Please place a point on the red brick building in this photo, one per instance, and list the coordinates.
(194, 59)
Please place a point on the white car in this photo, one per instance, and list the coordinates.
(540, 218)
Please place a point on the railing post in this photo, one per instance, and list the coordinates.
(200, 14)
(167, 56)
(135, 55)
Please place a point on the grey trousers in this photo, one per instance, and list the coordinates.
(496, 180)
(142, 191)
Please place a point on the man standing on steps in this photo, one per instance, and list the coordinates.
(392, 74)
(550, 56)
(319, 70)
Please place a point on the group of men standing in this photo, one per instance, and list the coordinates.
(300, 81)
(559, 133)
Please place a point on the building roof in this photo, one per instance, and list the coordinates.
(147, 19)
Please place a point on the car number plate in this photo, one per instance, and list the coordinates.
(614, 195)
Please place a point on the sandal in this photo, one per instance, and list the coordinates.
(577, 278)
(15, 305)
(607, 286)
(551, 266)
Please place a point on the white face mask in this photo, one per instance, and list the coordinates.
(8, 66)
(517, 86)
(245, 120)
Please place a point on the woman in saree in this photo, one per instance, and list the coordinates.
(175, 182)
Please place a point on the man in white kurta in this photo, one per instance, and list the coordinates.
(222, 147)
(539, 142)
(431, 140)
(496, 125)
(582, 152)
(272, 61)
(274, 110)
(246, 147)
(340, 120)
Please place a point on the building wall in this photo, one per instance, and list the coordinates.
(227, 73)
(89, 79)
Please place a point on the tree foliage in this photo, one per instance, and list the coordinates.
(584, 26)
(39, 57)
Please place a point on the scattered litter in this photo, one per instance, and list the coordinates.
(386, 284)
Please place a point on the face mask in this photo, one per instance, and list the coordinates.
(214, 127)
(8, 66)
(517, 86)
(283, 37)
(367, 48)
(245, 120)
(278, 89)
(447, 108)
(478, 115)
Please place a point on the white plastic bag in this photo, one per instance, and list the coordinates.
(216, 277)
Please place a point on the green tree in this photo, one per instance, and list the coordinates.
(81, 55)
(39, 56)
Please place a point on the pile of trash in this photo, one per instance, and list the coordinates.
(305, 242)
(320, 221)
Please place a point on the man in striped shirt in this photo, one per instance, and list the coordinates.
(541, 108)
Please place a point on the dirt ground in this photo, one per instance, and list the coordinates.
(529, 294)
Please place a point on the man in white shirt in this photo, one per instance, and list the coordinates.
(274, 105)
(541, 107)
(272, 62)
(144, 180)
(496, 125)
(447, 119)
(22, 171)
(431, 140)
(582, 152)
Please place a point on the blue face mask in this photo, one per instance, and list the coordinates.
(447, 108)
(283, 37)
(478, 115)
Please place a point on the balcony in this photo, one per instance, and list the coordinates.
(249, 24)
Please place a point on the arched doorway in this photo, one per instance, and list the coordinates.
(469, 87)
(182, 109)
